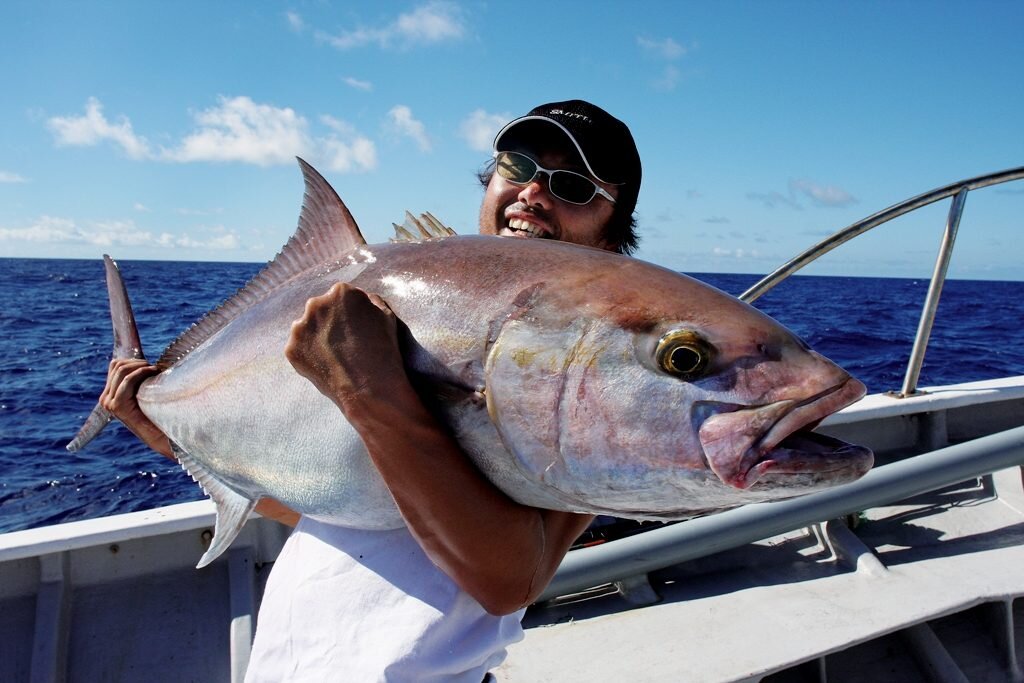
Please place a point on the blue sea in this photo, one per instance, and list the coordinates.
(56, 343)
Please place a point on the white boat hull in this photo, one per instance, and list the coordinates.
(118, 598)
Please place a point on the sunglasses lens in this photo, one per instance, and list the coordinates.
(572, 187)
(516, 167)
(566, 185)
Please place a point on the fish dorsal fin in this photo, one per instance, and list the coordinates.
(326, 231)
(426, 227)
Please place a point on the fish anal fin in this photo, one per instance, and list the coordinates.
(326, 231)
(233, 508)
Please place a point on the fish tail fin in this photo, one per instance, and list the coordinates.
(126, 345)
(233, 508)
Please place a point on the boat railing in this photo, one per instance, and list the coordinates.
(958, 191)
(642, 553)
(627, 559)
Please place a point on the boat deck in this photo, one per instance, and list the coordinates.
(932, 582)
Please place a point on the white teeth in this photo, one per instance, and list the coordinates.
(525, 226)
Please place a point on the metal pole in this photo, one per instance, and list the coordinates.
(931, 302)
(873, 221)
(670, 545)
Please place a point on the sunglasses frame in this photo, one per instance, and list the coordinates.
(549, 172)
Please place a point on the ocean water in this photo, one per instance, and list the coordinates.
(56, 339)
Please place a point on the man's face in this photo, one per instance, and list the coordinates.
(531, 211)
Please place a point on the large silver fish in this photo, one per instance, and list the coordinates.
(576, 379)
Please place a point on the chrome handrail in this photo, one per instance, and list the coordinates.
(931, 300)
(959, 192)
(666, 546)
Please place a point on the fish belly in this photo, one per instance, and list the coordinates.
(237, 407)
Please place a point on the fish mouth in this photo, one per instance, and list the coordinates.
(744, 445)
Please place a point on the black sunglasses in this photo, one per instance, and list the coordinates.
(568, 186)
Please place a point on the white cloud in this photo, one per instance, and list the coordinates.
(735, 253)
(669, 78)
(139, 206)
(242, 130)
(823, 195)
(8, 177)
(433, 22)
(46, 229)
(404, 124)
(337, 125)
(226, 241)
(820, 195)
(121, 233)
(479, 129)
(93, 128)
(106, 233)
(118, 233)
(774, 199)
(345, 150)
(665, 48)
(295, 22)
(359, 154)
(365, 86)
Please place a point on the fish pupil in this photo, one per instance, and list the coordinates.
(685, 359)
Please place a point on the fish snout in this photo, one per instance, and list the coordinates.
(744, 444)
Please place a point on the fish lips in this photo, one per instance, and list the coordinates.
(745, 444)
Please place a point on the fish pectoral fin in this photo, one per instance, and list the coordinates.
(233, 508)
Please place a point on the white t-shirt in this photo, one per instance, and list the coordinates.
(350, 605)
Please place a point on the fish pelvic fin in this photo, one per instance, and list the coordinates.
(126, 345)
(233, 508)
(426, 227)
(326, 231)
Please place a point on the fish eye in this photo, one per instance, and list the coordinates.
(683, 354)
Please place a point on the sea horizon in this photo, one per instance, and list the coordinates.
(692, 273)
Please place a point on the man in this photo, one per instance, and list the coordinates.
(440, 599)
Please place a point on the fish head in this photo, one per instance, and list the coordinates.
(632, 390)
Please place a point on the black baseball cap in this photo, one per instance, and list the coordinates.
(603, 142)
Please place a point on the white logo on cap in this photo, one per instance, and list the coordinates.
(573, 114)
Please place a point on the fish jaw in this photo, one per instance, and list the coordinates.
(743, 445)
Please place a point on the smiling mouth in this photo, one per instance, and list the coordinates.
(743, 445)
(517, 227)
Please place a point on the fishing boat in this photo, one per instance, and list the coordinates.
(913, 573)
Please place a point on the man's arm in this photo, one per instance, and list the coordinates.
(119, 399)
(499, 551)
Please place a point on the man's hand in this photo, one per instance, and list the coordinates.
(120, 399)
(346, 344)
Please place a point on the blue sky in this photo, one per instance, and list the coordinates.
(169, 130)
